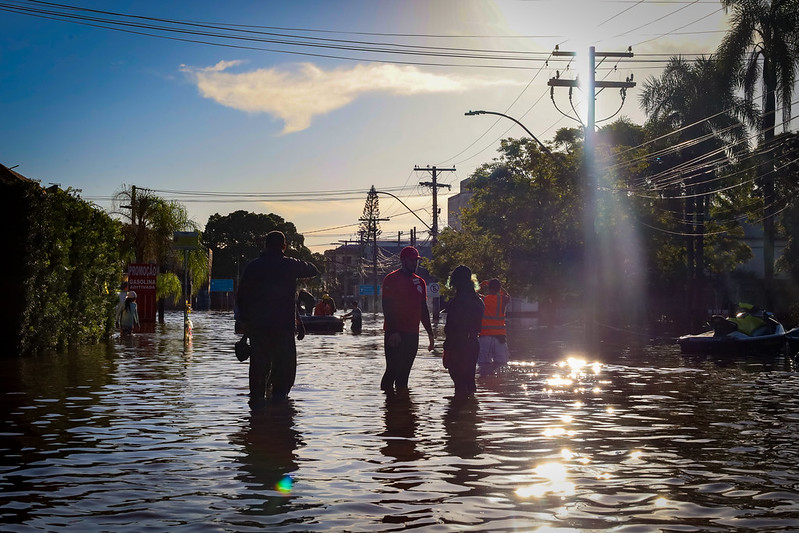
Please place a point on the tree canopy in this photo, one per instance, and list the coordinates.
(237, 238)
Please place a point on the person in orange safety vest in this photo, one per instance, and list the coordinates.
(493, 341)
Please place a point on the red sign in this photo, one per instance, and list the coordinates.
(142, 279)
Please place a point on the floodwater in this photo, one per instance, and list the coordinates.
(146, 435)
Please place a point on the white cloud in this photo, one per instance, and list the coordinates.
(297, 95)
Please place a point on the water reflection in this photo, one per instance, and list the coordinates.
(149, 434)
(268, 443)
(461, 420)
(401, 421)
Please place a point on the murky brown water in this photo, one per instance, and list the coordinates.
(144, 436)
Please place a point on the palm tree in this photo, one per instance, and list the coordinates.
(693, 100)
(763, 46)
(150, 224)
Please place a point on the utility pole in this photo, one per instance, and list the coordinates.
(372, 227)
(591, 260)
(435, 186)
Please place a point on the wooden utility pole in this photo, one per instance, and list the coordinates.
(435, 186)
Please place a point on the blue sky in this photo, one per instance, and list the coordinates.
(92, 108)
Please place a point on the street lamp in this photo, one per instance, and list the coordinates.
(543, 147)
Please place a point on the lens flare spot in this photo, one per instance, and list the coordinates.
(285, 484)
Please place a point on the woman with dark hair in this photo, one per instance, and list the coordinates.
(464, 320)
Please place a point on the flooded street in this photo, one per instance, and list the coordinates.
(142, 434)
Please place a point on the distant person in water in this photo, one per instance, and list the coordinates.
(464, 317)
(493, 335)
(123, 294)
(128, 315)
(404, 307)
(268, 313)
(356, 317)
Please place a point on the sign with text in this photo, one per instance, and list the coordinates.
(142, 279)
(368, 290)
(221, 285)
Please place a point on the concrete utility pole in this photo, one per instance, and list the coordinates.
(591, 260)
(435, 186)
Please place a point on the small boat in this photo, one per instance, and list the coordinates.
(792, 337)
(751, 331)
(322, 324)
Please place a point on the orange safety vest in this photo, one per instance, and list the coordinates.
(494, 315)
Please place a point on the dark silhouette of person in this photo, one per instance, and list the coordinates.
(305, 302)
(267, 311)
(356, 316)
(464, 319)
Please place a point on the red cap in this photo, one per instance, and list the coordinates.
(409, 252)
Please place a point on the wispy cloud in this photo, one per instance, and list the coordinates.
(296, 95)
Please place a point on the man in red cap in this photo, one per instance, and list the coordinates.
(404, 307)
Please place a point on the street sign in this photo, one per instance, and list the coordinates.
(221, 285)
(186, 240)
(433, 289)
(368, 290)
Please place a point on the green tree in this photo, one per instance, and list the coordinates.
(523, 224)
(237, 238)
(761, 51)
(149, 225)
(62, 271)
(694, 100)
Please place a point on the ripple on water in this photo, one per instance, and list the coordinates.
(147, 433)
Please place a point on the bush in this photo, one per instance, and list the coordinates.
(65, 267)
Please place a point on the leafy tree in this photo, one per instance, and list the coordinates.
(237, 238)
(522, 225)
(64, 267)
(787, 158)
(693, 100)
(149, 225)
(761, 50)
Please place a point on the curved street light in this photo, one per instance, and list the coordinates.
(543, 147)
(408, 208)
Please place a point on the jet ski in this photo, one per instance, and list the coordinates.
(751, 331)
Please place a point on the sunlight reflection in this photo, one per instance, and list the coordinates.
(554, 432)
(556, 482)
(557, 381)
(569, 455)
(661, 502)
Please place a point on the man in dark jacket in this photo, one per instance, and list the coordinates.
(268, 313)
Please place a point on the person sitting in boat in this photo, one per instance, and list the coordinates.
(325, 307)
(305, 302)
(747, 320)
